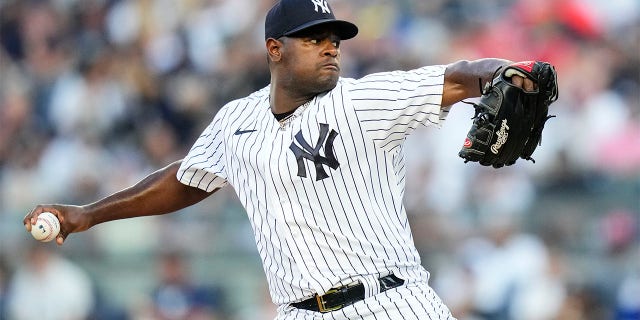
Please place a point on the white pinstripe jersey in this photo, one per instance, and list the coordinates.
(324, 195)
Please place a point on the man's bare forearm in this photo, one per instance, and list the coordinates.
(158, 193)
(462, 78)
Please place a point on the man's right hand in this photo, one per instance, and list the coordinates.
(72, 219)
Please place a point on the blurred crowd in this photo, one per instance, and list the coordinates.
(96, 94)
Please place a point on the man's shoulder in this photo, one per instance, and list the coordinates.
(347, 84)
(344, 85)
(345, 81)
(253, 98)
(256, 95)
(424, 71)
(259, 94)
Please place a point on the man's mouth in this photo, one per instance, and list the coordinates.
(332, 66)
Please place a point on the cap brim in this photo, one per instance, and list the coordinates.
(344, 29)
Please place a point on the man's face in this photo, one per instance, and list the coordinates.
(311, 60)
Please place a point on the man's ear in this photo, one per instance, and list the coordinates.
(274, 49)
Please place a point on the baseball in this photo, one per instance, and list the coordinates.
(46, 228)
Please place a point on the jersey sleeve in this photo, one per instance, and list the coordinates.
(390, 105)
(204, 166)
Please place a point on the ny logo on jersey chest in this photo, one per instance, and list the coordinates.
(303, 150)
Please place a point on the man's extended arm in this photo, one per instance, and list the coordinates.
(158, 193)
(461, 79)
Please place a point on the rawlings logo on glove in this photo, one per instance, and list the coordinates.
(509, 121)
(502, 137)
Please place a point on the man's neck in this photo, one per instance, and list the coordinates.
(283, 102)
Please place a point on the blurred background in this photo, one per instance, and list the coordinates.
(96, 94)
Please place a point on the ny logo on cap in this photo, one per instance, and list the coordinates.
(322, 4)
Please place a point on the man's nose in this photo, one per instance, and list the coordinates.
(331, 50)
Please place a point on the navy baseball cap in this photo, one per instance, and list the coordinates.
(288, 17)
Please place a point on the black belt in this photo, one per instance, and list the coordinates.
(338, 298)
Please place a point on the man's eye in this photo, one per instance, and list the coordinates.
(335, 43)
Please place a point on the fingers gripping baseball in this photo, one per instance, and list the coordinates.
(69, 218)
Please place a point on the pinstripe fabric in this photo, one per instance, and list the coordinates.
(319, 225)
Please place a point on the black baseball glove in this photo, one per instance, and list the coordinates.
(508, 122)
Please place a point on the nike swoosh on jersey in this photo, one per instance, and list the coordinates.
(239, 132)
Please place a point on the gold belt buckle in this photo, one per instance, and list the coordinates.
(322, 304)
